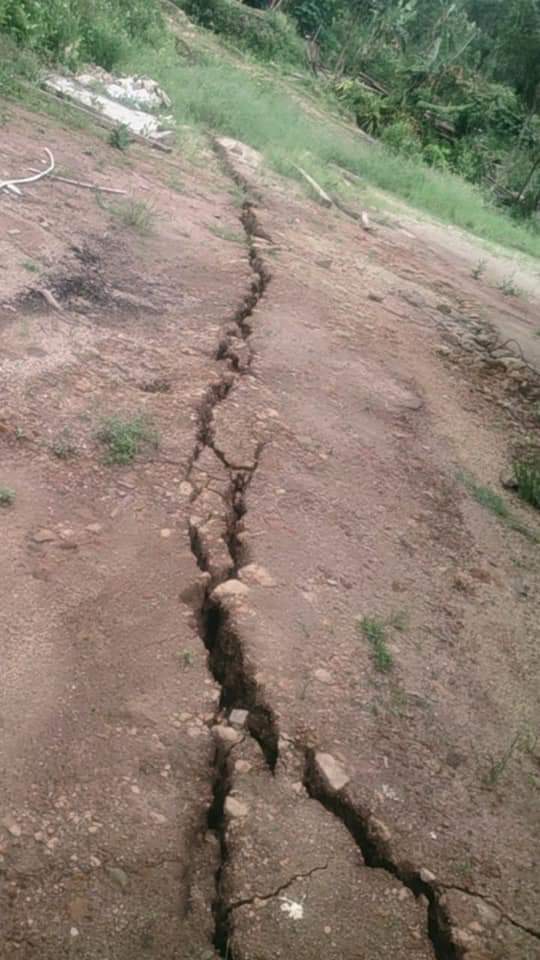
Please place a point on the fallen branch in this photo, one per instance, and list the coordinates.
(323, 197)
(87, 186)
(49, 298)
(345, 209)
(9, 184)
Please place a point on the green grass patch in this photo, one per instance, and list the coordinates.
(255, 109)
(63, 446)
(137, 215)
(124, 439)
(528, 482)
(119, 137)
(493, 502)
(80, 31)
(7, 496)
(374, 631)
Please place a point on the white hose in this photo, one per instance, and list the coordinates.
(7, 184)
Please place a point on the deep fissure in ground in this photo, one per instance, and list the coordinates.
(226, 655)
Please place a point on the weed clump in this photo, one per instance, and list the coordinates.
(527, 477)
(7, 496)
(124, 439)
(374, 631)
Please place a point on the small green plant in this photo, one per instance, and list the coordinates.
(508, 287)
(135, 214)
(119, 137)
(125, 438)
(498, 765)
(7, 496)
(373, 629)
(30, 266)
(63, 446)
(226, 234)
(494, 502)
(187, 658)
(478, 271)
(528, 482)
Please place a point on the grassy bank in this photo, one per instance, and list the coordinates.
(218, 91)
(251, 107)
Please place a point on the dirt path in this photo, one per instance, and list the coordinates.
(270, 688)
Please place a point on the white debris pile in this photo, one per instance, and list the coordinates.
(121, 99)
(140, 90)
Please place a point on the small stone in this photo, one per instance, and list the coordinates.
(12, 826)
(185, 489)
(94, 528)
(235, 808)
(513, 363)
(233, 589)
(427, 876)
(43, 536)
(165, 533)
(238, 718)
(322, 675)
(444, 308)
(483, 339)
(331, 771)
(74, 932)
(508, 479)
(253, 573)
(377, 297)
(227, 735)
(118, 877)
(444, 351)
(242, 766)
(157, 817)
(462, 938)
(489, 915)
(379, 830)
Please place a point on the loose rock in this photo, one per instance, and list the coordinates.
(44, 536)
(331, 772)
(235, 808)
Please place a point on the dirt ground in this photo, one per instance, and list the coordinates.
(269, 689)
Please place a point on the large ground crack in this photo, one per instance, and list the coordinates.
(227, 659)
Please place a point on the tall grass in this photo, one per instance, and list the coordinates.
(255, 110)
(76, 31)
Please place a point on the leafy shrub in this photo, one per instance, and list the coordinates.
(369, 108)
(527, 476)
(401, 137)
(75, 31)
(436, 155)
(269, 36)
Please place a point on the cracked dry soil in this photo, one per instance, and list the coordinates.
(199, 756)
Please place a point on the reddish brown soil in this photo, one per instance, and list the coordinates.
(318, 392)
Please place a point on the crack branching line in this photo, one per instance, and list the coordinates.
(275, 893)
(226, 656)
(376, 854)
(491, 903)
